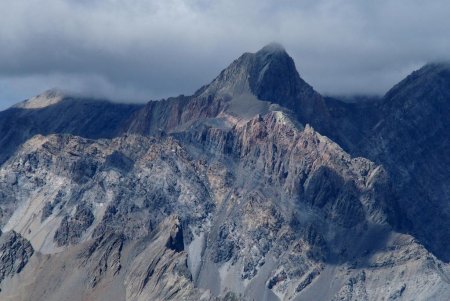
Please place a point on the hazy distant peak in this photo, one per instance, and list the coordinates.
(439, 64)
(425, 83)
(435, 68)
(45, 99)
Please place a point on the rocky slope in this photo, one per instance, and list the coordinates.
(53, 112)
(412, 140)
(407, 132)
(233, 193)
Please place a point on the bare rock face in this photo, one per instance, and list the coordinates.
(354, 289)
(270, 75)
(412, 141)
(15, 252)
(161, 271)
(71, 229)
(406, 132)
(255, 83)
(103, 257)
(175, 241)
(238, 192)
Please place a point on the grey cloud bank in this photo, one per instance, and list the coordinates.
(140, 50)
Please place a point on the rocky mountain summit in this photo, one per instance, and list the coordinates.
(269, 75)
(254, 188)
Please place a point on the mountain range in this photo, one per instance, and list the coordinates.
(256, 187)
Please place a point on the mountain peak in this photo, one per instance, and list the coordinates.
(429, 82)
(438, 65)
(45, 99)
(439, 69)
(269, 74)
(273, 47)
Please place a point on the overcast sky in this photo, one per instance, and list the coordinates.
(136, 50)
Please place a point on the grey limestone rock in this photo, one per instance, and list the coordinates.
(73, 227)
(15, 253)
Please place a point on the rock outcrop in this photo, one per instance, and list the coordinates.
(15, 253)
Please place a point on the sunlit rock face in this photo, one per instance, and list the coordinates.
(254, 188)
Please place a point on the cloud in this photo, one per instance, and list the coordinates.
(143, 49)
